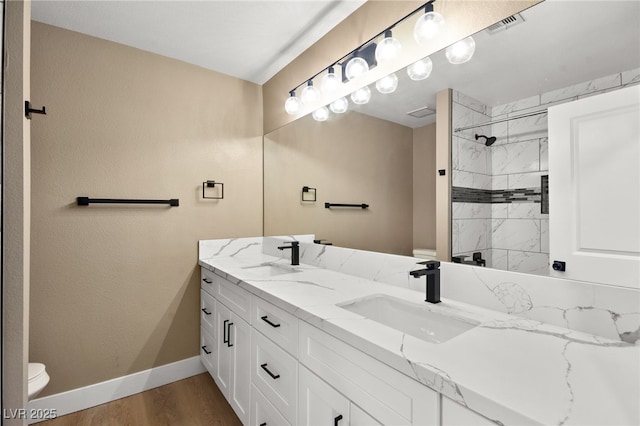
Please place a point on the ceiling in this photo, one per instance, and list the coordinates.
(250, 40)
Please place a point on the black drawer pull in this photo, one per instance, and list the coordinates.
(207, 280)
(273, 376)
(225, 339)
(337, 419)
(263, 424)
(265, 319)
(229, 344)
(205, 311)
(204, 348)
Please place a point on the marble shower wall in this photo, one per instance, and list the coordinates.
(512, 236)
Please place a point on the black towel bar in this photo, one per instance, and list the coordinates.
(360, 206)
(85, 201)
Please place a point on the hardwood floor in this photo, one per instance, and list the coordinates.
(190, 402)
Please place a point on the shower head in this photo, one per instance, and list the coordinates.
(489, 140)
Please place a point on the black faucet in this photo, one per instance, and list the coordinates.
(295, 252)
(432, 271)
(477, 259)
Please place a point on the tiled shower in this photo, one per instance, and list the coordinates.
(497, 190)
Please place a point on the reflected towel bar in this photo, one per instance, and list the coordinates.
(360, 206)
(85, 201)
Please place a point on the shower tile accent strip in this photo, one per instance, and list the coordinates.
(496, 196)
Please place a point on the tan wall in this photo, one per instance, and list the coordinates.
(463, 18)
(115, 289)
(352, 159)
(424, 187)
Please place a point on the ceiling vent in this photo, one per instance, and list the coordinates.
(421, 112)
(505, 23)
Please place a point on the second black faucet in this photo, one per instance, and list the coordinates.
(295, 252)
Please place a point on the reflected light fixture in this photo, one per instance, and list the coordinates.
(361, 96)
(356, 67)
(461, 51)
(310, 94)
(330, 82)
(293, 104)
(321, 114)
(429, 25)
(388, 49)
(339, 106)
(420, 69)
(387, 84)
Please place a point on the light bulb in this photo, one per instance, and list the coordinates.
(356, 67)
(361, 96)
(339, 106)
(321, 114)
(428, 26)
(330, 82)
(310, 94)
(293, 105)
(387, 84)
(461, 51)
(388, 48)
(421, 69)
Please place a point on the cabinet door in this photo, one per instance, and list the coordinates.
(594, 188)
(360, 418)
(240, 390)
(223, 369)
(318, 403)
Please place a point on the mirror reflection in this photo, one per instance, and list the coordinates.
(383, 153)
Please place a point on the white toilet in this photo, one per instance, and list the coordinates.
(38, 379)
(428, 254)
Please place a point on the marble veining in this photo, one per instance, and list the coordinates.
(525, 370)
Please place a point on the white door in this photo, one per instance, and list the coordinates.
(223, 369)
(318, 403)
(240, 390)
(594, 188)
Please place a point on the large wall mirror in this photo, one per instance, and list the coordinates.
(383, 153)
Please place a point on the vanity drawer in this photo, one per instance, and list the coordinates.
(275, 323)
(208, 312)
(383, 392)
(208, 351)
(208, 281)
(233, 297)
(275, 374)
(262, 412)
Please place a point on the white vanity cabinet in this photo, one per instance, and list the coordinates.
(226, 339)
(383, 393)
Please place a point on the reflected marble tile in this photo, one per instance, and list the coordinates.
(501, 132)
(544, 235)
(499, 259)
(631, 76)
(500, 182)
(470, 180)
(516, 234)
(455, 236)
(473, 157)
(470, 102)
(528, 262)
(515, 158)
(473, 235)
(528, 128)
(516, 106)
(525, 180)
(499, 211)
(524, 211)
(470, 211)
(582, 88)
(544, 154)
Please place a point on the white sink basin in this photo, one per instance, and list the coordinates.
(417, 320)
(270, 270)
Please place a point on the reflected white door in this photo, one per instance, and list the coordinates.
(594, 188)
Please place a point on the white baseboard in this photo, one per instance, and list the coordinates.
(111, 390)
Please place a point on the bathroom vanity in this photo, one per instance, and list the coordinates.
(346, 337)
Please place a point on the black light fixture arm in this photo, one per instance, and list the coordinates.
(427, 7)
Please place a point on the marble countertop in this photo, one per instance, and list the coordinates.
(509, 369)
